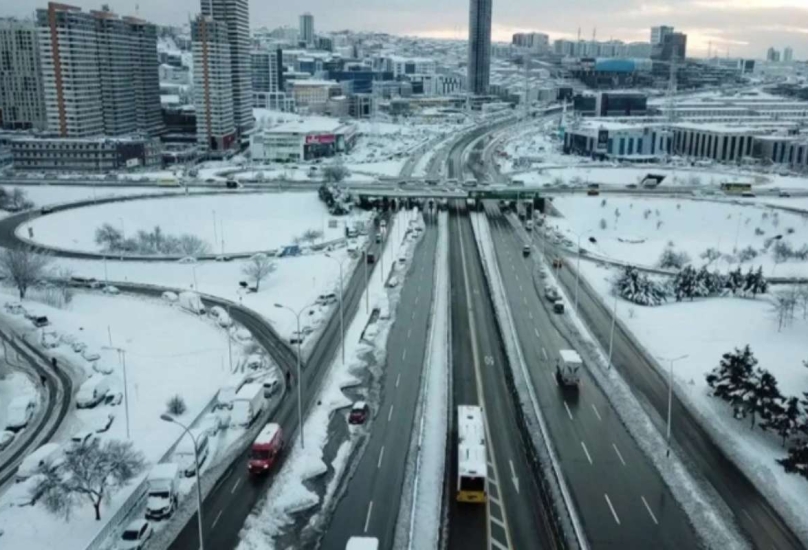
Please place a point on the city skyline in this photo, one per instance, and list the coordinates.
(746, 27)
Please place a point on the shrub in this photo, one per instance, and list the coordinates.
(176, 405)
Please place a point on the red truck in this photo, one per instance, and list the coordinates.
(265, 449)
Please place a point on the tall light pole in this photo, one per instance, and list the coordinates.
(611, 332)
(578, 263)
(299, 377)
(171, 419)
(122, 359)
(367, 295)
(670, 396)
(341, 311)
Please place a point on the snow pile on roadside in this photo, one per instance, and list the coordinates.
(425, 513)
(711, 328)
(289, 493)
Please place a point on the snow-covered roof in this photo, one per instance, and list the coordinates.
(570, 356)
(313, 82)
(308, 125)
(267, 434)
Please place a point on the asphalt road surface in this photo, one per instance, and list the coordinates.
(762, 525)
(620, 496)
(370, 504)
(514, 516)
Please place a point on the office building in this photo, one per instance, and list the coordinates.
(673, 46)
(313, 94)
(99, 72)
(658, 34)
(235, 16)
(299, 140)
(216, 132)
(788, 54)
(22, 105)
(479, 64)
(537, 41)
(89, 154)
(267, 71)
(773, 55)
(306, 34)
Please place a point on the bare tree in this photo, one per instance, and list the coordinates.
(783, 305)
(108, 237)
(90, 472)
(24, 266)
(335, 173)
(802, 298)
(258, 268)
(311, 235)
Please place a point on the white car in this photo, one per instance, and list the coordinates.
(169, 296)
(135, 535)
(113, 290)
(187, 260)
(392, 282)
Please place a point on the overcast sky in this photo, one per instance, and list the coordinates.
(746, 27)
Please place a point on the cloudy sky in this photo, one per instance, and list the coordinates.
(745, 27)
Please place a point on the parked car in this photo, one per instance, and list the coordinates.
(92, 392)
(136, 534)
(187, 260)
(19, 413)
(47, 453)
(558, 306)
(184, 453)
(359, 413)
(392, 282)
(558, 263)
(783, 193)
(526, 250)
(113, 290)
(40, 321)
(162, 498)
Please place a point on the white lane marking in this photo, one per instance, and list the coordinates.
(543, 351)
(609, 502)
(650, 513)
(524, 299)
(530, 314)
(569, 413)
(370, 511)
(517, 278)
(589, 458)
(413, 315)
(215, 521)
(495, 520)
(499, 545)
(514, 478)
(390, 414)
(404, 355)
(618, 454)
(747, 514)
(381, 455)
(409, 332)
(594, 408)
(233, 490)
(398, 379)
(416, 300)
(494, 499)
(521, 289)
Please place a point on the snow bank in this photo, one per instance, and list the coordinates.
(424, 514)
(289, 493)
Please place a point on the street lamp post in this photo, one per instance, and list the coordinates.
(578, 264)
(341, 311)
(299, 377)
(171, 419)
(670, 397)
(122, 358)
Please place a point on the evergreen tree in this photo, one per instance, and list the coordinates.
(638, 288)
(731, 379)
(762, 396)
(797, 460)
(684, 283)
(734, 282)
(761, 284)
(785, 418)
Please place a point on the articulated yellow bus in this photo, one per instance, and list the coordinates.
(472, 465)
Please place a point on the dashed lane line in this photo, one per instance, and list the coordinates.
(614, 514)
(367, 518)
(398, 379)
(618, 454)
(390, 414)
(594, 408)
(235, 486)
(381, 456)
(569, 413)
(588, 457)
(650, 513)
(215, 521)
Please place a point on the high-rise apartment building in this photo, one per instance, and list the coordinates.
(672, 47)
(534, 40)
(267, 70)
(22, 104)
(773, 55)
(479, 66)
(788, 54)
(306, 34)
(658, 34)
(99, 72)
(235, 16)
(213, 92)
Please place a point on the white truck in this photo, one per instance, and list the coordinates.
(248, 404)
(362, 543)
(567, 368)
(190, 301)
(162, 498)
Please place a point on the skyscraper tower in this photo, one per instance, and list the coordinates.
(479, 67)
(235, 16)
(307, 29)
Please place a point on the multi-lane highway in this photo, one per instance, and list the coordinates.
(370, 502)
(514, 516)
(620, 496)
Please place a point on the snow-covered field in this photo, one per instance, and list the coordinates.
(389, 168)
(289, 493)
(704, 330)
(622, 176)
(228, 223)
(56, 194)
(168, 352)
(637, 230)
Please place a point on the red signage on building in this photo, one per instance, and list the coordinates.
(321, 138)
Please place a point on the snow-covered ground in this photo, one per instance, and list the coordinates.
(389, 168)
(605, 174)
(55, 194)
(709, 328)
(645, 226)
(228, 223)
(289, 493)
(168, 352)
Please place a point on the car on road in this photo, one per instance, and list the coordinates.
(431, 182)
(359, 413)
(748, 195)
(526, 250)
(558, 306)
(40, 321)
(783, 193)
(112, 290)
(136, 535)
(551, 293)
(6, 438)
(631, 186)
(557, 263)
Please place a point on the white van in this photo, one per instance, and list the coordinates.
(47, 453)
(92, 392)
(20, 411)
(184, 453)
